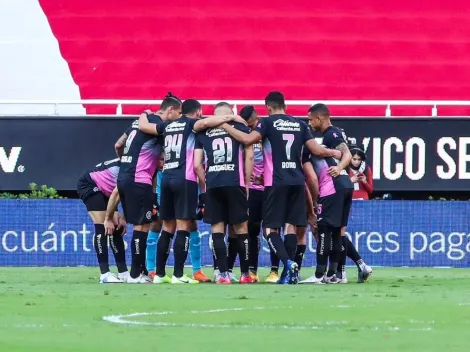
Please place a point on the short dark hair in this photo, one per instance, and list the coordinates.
(222, 104)
(275, 100)
(170, 101)
(190, 106)
(247, 111)
(319, 109)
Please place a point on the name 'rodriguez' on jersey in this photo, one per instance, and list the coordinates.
(224, 157)
(283, 141)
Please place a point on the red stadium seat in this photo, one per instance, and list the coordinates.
(332, 50)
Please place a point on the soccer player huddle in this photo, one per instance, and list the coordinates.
(244, 175)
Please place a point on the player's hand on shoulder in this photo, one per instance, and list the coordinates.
(239, 119)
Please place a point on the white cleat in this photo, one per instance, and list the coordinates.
(124, 276)
(183, 280)
(216, 275)
(142, 279)
(364, 274)
(110, 278)
(313, 280)
(331, 279)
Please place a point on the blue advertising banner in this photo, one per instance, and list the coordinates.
(387, 233)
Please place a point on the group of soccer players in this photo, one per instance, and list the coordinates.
(238, 174)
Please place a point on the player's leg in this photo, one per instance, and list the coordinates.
(273, 276)
(255, 206)
(151, 252)
(185, 213)
(167, 215)
(236, 198)
(214, 215)
(274, 218)
(301, 245)
(116, 241)
(232, 251)
(195, 253)
(96, 206)
(138, 206)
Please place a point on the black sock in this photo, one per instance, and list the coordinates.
(275, 242)
(353, 253)
(138, 247)
(216, 267)
(299, 254)
(232, 252)
(323, 250)
(255, 245)
(342, 255)
(117, 244)
(100, 241)
(180, 251)
(274, 260)
(335, 251)
(220, 251)
(243, 252)
(290, 243)
(163, 252)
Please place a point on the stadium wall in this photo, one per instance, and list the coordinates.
(419, 154)
(387, 233)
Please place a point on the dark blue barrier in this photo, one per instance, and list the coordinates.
(387, 233)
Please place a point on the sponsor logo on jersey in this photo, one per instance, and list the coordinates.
(283, 125)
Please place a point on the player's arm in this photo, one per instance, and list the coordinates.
(245, 138)
(311, 181)
(344, 161)
(199, 169)
(249, 161)
(150, 128)
(110, 209)
(317, 149)
(119, 145)
(214, 121)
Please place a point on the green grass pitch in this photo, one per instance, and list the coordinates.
(400, 309)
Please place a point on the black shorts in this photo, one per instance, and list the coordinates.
(255, 205)
(226, 204)
(334, 210)
(137, 201)
(90, 194)
(178, 199)
(284, 205)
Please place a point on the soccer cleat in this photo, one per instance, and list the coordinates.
(292, 272)
(152, 274)
(223, 279)
(313, 280)
(142, 279)
(272, 278)
(232, 278)
(342, 277)
(254, 276)
(147, 279)
(216, 274)
(331, 279)
(161, 280)
(110, 278)
(284, 279)
(124, 276)
(185, 279)
(246, 279)
(200, 276)
(364, 274)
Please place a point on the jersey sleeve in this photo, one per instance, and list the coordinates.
(198, 142)
(161, 126)
(306, 134)
(241, 127)
(262, 127)
(332, 138)
(306, 156)
(192, 122)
